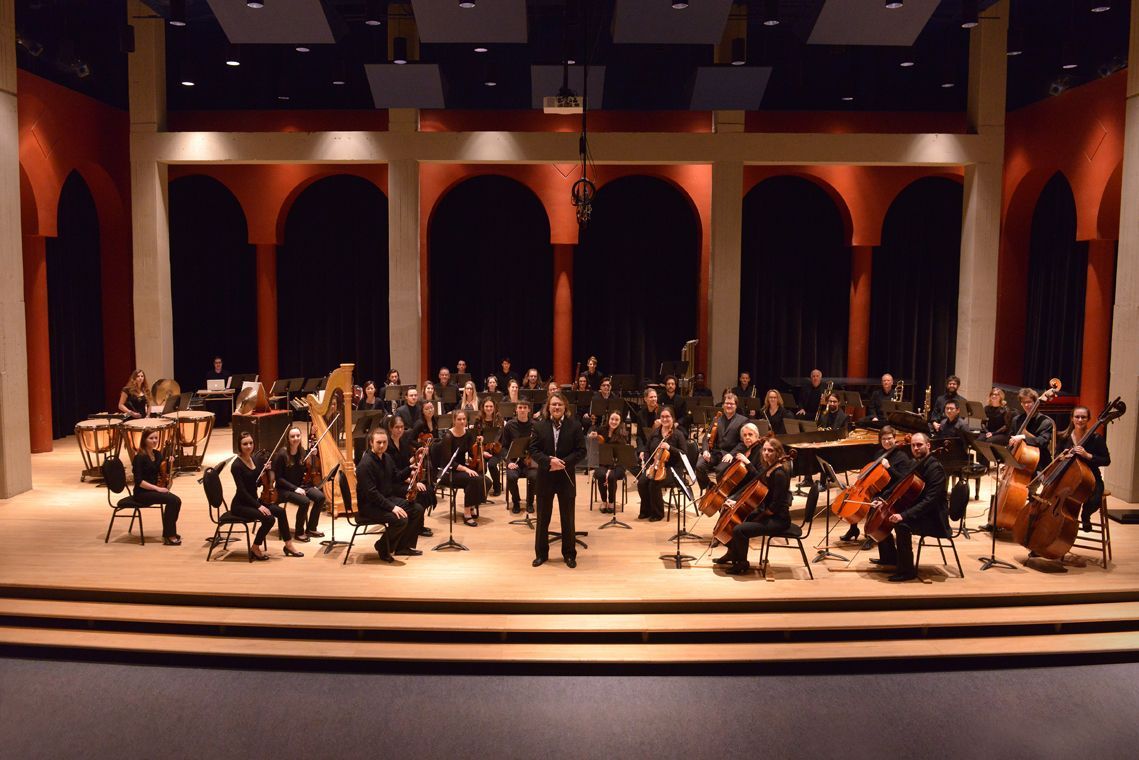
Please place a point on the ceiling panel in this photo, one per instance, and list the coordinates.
(870, 22)
(657, 22)
(280, 23)
(412, 85)
(729, 87)
(501, 21)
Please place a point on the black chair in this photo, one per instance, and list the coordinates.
(220, 514)
(359, 527)
(595, 494)
(958, 500)
(115, 478)
(797, 533)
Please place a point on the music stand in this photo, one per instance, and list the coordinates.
(623, 383)
(494, 396)
(616, 455)
(677, 369)
(330, 543)
(517, 451)
(985, 451)
(448, 394)
(1005, 457)
(460, 378)
(536, 397)
(451, 543)
(677, 558)
(823, 548)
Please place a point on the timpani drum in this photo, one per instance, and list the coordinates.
(98, 439)
(192, 436)
(135, 430)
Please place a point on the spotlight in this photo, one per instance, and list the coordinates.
(571, 62)
(399, 50)
(490, 78)
(968, 14)
(948, 85)
(894, 4)
(481, 48)
(847, 98)
(739, 51)
(771, 13)
(374, 13)
(254, 4)
(466, 3)
(177, 12)
(679, 5)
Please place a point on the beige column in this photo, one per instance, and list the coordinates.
(724, 275)
(15, 445)
(1122, 478)
(153, 314)
(405, 306)
(981, 205)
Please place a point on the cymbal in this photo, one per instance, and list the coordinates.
(246, 401)
(165, 388)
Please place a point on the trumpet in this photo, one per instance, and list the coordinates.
(897, 397)
(927, 405)
(823, 400)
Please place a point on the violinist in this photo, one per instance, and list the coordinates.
(370, 401)
(489, 425)
(410, 410)
(469, 402)
(773, 412)
(491, 384)
(1039, 431)
(834, 418)
(717, 457)
(928, 516)
(613, 431)
(289, 467)
(678, 403)
(246, 471)
(593, 376)
(150, 488)
(376, 487)
(519, 427)
(402, 447)
(997, 418)
(431, 398)
(745, 389)
(772, 516)
(896, 459)
(952, 383)
(135, 399)
(876, 407)
(1094, 453)
(556, 447)
(505, 375)
(648, 418)
(810, 395)
(461, 475)
(666, 439)
(428, 423)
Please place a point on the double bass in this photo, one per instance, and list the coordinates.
(749, 500)
(1049, 524)
(1012, 492)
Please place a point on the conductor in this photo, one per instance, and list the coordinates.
(556, 446)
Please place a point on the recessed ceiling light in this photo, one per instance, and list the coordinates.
(894, 4)
(481, 49)
(466, 3)
(374, 13)
(947, 85)
(232, 62)
(254, 4)
(399, 50)
(968, 14)
(571, 62)
(906, 64)
(282, 97)
(187, 82)
(771, 13)
(847, 98)
(302, 49)
(177, 12)
(679, 5)
(1100, 8)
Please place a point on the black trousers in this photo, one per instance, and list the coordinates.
(607, 479)
(1093, 502)
(652, 495)
(473, 487)
(276, 513)
(512, 477)
(900, 551)
(402, 532)
(747, 530)
(171, 506)
(704, 468)
(552, 484)
(309, 507)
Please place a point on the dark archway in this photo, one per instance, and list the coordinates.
(332, 280)
(913, 312)
(1057, 288)
(795, 283)
(636, 277)
(74, 302)
(491, 275)
(212, 281)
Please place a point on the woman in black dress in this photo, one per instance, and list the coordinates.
(774, 412)
(149, 488)
(135, 399)
(459, 474)
(997, 418)
(613, 431)
(771, 517)
(669, 439)
(370, 399)
(289, 467)
(489, 426)
(1094, 454)
(246, 470)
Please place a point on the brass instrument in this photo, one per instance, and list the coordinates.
(897, 396)
(927, 405)
(823, 400)
(331, 455)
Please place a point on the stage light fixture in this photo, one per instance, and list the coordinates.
(481, 48)
(1100, 7)
(1069, 57)
(679, 5)
(466, 3)
(894, 4)
(771, 13)
(908, 58)
(490, 77)
(177, 13)
(232, 58)
(1015, 45)
(255, 4)
(399, 50)
(739, 51)
(302, 49)
(374, 13)
(968, 14)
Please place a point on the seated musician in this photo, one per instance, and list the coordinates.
(953, 424)
(402, 447)
(410, 410)
(428, 423)
(667, 437)
(773, 412)
(612, 431)
(147, 465)
(581, 384)
(246, 470)
(678, 403)
(1094, 453)
(460, 475)
(551, 389)
(997, 418)
(952, 383)
(772, 516)
(810, 395)
(379, 494)
(700, 387)
(217, 373)
(393, 379)
(512, 392)
(929, 515)
(745, 389)
(716, 458)
(135, 399)
(444, 381)
(469, 401)
(896, 459)
(491, 384)
(593, 376)
(505, 375)
(834, 418)
(370, 400)
(532, 381)
(519, 427)
(876, 407)
(431, 398)
(489, 425)
(289, 468)
(648, 417)
(1039, 431)
(461, 367)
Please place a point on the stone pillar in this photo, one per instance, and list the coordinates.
(15, 446)
(1122, 477)
(153, 313)
(981, 205)
(405, 307)
(563, 312)
(724, 277)
(858, 331)
(39, 343)
(1097, 324)
(267, 313)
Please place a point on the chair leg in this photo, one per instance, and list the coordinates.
(941, 548)
(114, 514)
(248, 543)
(351, 542)
(917, 557)
(214, 541)
(141, 530)
(953, 546)
(806, 563)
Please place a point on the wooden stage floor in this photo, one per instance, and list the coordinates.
(51, 548)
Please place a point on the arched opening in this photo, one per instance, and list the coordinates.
(795, 282)
(636, 277)
(490, 270)
(212, 281)
(913, 311)
(332, 280)
(1056, 289)
(75, 321)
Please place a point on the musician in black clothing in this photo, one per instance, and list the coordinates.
(997, 418)
(488, 424)
(929, 515)
(717, 458)
(667, 438)
(411, 411)
(610, 431)
(745, 389)
(1093, 452)
(953, 423)
(393, 379)
(771, 517)
(875, 408)
(952, 383)
(699, 387)
(134, 398)
(376, 483)
(245, 471)
(505, 375)
(1039, 431)
(773, 412)
(289, 469)
(519, 427)
(147, 465)
(648, 417)
(810, 395)
(834, 417)
(402, 448)
(896, 459)
(678, 403)
(593, 377)
(370, 400)
(556, 446)
(459, 438)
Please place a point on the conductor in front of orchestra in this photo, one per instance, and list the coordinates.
(556, 446)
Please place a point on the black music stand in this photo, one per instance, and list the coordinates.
(985, 451)
(677, 558)
(448, 394)
(506, 409)
(601, 408)
(823, 548)
(517, 451)
(623, 383)
(682, 524)
(451, 543)
(616, 455)
(677, 369)
(460, 378)
(330, 543)
(1005, 457)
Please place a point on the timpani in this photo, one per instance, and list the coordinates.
(134, 431)
(99, 439)
(191, 437)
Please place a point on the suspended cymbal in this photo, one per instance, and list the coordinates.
(165, 388)
(246, 401)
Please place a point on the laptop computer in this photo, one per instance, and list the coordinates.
(215, 385)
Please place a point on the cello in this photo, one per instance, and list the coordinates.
(1048, 526)
(853, 502)
(904, 495)
(749, 500)
(713, 500)
(1012, 492)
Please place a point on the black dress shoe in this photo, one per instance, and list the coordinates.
(538, 562)
(571, 562)
(1086, 526)
(302, 539)
(850, 535)
(386, 557)
(530, 508)
(426, 532)
(516, 508)
(867, 545)
(738, 568)
(290, 553)
(315, 534)
(724, 560)
(409, 552)
(642, 517)
(900, 577)
(171, 541)
(880, 561)
(654, 518)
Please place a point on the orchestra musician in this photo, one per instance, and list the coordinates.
(393, 379)
(952, 383)
(289, 469)
(489, 424)
(532, 381)
(699, 387)
(744, 388)
(519, 427)
(469, 401)
(370, 400)
(444, 380)
(678, 403)
(431, 398)
(428, 423)
(217, 373)
(612, 431)
(379, 494)
(810, 395)
(135, 399)
(717, 458)
(929, 515)
(402, 446)
(834, 418)
(556, 446)
(1040, 428)
(458, 437)
(410, 410)
(581, 384)
(896, 459)
(461, 367)
(491, 384)
(246, 470)
(1094, 453)
(147, 466)
(773, 412)
(512, 392)
(997, 418)
(648, 418)
(505, 375)
(953, 424)
(593, 376)
(772, 516)
(876, 407)
(667, 438)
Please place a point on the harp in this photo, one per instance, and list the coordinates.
(337, 400)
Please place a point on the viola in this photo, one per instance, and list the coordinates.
(1012, 491)
(750, 499)
(164, 473)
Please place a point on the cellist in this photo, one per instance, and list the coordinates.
(668, 438)
(773, 515)
(895, 458)
(1094, 453)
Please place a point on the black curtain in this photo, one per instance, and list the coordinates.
(332, 281)
(913, 311)
(212, 282)
(636, 277)
(1057, 287)
(74, 302)
(795, 284)
(491, 275)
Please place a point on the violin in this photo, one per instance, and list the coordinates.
(475, 457)
(1012, 491)
(750, 499)
(164, 473)
(267, 480)
(357, 396)
(715, 431)
(419, 471)
(313, 473)
(657, 466)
